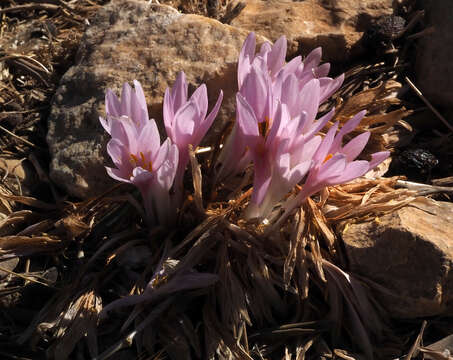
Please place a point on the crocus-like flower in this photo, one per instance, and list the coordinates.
(139, 158)
(185, 119)
(264, 80)
(132, 105)
(335, 164)
(280, 158)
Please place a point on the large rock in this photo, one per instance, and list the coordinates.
(133, 40)
(336, 25)
(434, 64)
(410, 253)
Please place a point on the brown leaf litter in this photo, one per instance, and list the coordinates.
(215, 286)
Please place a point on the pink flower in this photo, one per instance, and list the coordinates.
(280, 158)
(132, 105)
(264, 80)
(185, 119)
(138, 156)
(335, 164)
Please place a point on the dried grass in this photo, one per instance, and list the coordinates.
(215, 286)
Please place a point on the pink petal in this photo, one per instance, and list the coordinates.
(185, 121)
(200, 97)
(329, 86)
(349, 126)
(117, 174)
(322, 70)
(352, 171)
(112, 104)
(246, 120)
(290, 97)
(126, 100)
(326, 144)
(377, 158)
(313, 59)
(168, 114)
(140, 94)
(167, 171)
(245, 57)
(276, 57)
(332, 168)
(179, 91)
(105, 124)
(261, 181)
(256, 90)
(149, 139)
(207, 122)
(319, 124)
(310, 99)
(354, 147)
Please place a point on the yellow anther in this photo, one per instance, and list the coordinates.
(134, 159)
(328, 157)
(143, 158)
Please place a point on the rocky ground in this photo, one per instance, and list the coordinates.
(361, 271)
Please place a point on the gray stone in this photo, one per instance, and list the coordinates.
(336, 25)
(133, 40)
(409, 254)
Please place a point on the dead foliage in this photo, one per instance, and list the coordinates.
(97, 284)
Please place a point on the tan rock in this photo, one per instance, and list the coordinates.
(434, 65)
(409, 254)
(133, 40)
(336, 25)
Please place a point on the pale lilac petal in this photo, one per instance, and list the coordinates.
(200, 97)
(326, 144)
(112, 104)
(185, 120)
(313, 59)
(179, 91)
(140, 95)
(206, 123)
(117, 174)
(349, 126)
(265, 49)
(310, 99)
(256, 90)
(168, 114)
(126, 100)
(281, 116)
(162, 154)
(332, 168)
(105, 124)
(245, 57)
(329, 86)
(319, 124)
(276, 57)
(292, 67)
(354, 147)
(167, 171)
(377, 158)
(290, 96)
(322, 70)
(247, 121)
(298, 172)
(149, 138)
(261, 181)
(352, 171)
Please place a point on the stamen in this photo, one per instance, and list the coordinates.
(328, 157)
(263, 126)
(134, 159)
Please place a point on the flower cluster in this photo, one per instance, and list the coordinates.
(135, 147)
(276, 129)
